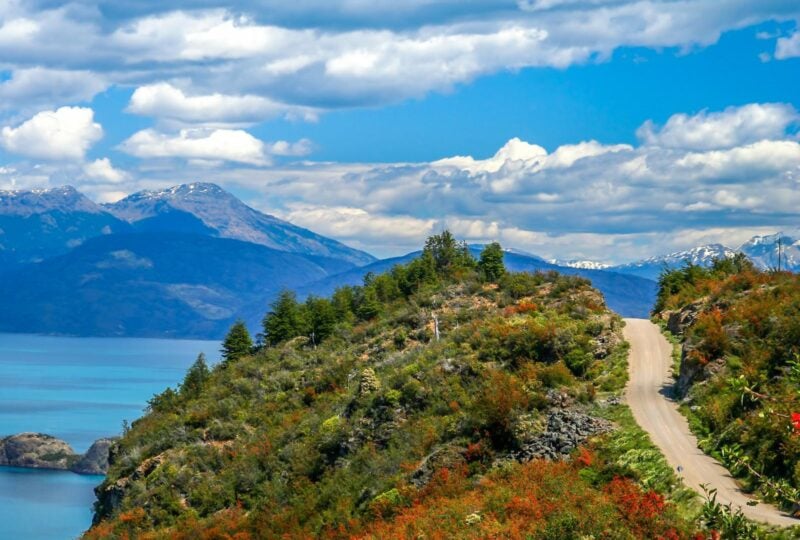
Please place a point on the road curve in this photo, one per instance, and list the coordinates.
(649, 367)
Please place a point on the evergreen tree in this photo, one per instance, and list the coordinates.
(196, 378)
(491, 262)
(285, 321)
(237, 343)
(321, 317)
(368, 306)
(448, 254)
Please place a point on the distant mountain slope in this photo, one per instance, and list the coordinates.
(651, 268)
(208, 209)
(38, 224)
(763, 250)
(165, 284)
(628, 295)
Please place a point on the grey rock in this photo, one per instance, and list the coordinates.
(36, 451)
(41, 451)
(566, 430)
(95, 460)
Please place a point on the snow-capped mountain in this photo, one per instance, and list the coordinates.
(208, 209)
(41, 223)
(764, 250)
(577, 263)
(652, 267)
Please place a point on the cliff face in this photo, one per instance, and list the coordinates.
(40, 451)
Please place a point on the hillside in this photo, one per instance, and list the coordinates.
(444, 399)
(154, 285)
(740, 369)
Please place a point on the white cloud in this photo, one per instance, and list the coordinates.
(341, 53)
(102, 169)
(726, 129)
(218, 144)
(41, 87)
(66, 133)
(303, 147)
(165, 101)
(788, 47)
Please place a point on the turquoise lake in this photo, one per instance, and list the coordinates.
(77, 389)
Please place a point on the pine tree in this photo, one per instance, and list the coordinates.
(321, 318)
(491, 262)
(196, 378)
(368, 306)
(285, 321)
(237, 343)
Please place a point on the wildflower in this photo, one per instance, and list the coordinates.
(796, 421)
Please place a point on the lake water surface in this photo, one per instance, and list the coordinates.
(76, 389)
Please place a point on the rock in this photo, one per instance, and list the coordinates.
(41, 451)
(678, 321)
(444, 457)
(566, 430)
(95, 460)
(36, 451)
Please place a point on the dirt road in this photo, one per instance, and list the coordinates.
(650, 364)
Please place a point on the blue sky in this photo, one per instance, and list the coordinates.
(602, 129)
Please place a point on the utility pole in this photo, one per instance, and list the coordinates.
(779, 252)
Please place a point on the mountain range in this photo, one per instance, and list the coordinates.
(189, 260)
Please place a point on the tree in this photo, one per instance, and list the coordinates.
(237, 343)
(368, 304)
(448, 254)
(285, 321)
(321, 318)
(491, 262)
(196, 378)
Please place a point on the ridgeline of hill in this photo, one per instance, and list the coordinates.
(446, 398)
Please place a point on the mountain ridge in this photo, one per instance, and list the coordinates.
(224, 215)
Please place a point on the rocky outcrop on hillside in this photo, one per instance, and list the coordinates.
(566, 430)
(41, 451)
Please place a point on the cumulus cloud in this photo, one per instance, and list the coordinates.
(41, 87)
(211, 146)
(102, 169)
(732, 127)
(322, 55)
(218, 144)
(66, 133)
(165, 101)
(586, 200)
(788, 47)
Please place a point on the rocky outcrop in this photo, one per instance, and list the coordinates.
(41, 451)
(95, 460)
(566, 430)
(679, 320)
(36, 451)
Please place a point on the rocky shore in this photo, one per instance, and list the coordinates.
(40, 451)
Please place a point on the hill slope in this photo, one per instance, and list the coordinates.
(740, 369)
(427, 410)
(148, 284)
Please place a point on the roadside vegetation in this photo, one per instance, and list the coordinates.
(739, 369)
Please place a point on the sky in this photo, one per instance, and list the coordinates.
(609, 130)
